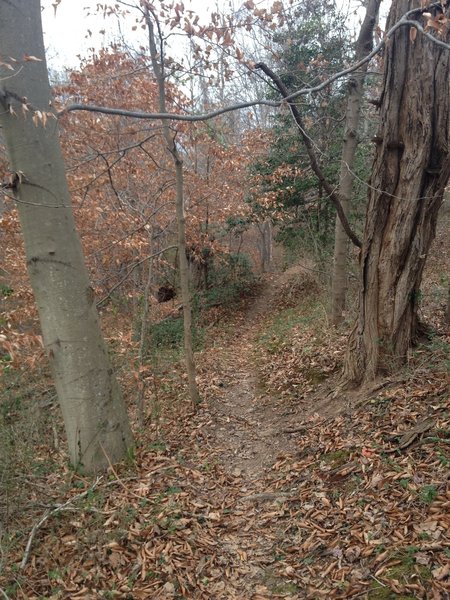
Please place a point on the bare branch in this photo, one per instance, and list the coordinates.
(130, 233)
(128, 273)
(405, 21)
(137, 114)
(50, 513)
(334, 197)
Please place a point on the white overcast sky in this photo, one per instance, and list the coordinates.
(66, 33)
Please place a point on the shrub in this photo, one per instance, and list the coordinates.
(230, 278)
(168, 334)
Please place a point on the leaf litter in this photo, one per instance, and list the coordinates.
(262, 494)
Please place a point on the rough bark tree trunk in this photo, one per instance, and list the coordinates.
(410, 171)
(157, 58)
(266, 245)
(94, 414)
(447, 308)
(363, 47)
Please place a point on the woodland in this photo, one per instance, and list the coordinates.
(225, 303)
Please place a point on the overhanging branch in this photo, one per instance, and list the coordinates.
(405, 21)
(137, 114)
(334, 197)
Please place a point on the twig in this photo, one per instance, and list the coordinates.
(4, 594)
(116, 475)
(294, 429)
(378, 581)
(49, 514)
(266, 497)
(433, 440)
(125, 277)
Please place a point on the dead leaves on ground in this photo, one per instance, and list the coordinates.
(368, 522)
(359, 510)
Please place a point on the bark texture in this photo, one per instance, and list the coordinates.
(363, 47)
(447, 308)
(266, 245)
(94, 413)
(410, 171)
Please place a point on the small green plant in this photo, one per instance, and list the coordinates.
(428, 494)
(54, 575)
(168, 334)
(173, 489)
(158, 446)
(5, 291)
(337, 458)
(12, 588)
(229, 279)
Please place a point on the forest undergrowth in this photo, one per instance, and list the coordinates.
(276, 488)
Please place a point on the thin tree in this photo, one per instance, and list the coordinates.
(157, 60)
(94, 413)
(363, 47)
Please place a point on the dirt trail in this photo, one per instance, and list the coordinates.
(248, 424)
(247, 432)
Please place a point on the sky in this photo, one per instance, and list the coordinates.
(66, 33)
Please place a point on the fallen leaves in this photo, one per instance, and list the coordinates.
(350, 512)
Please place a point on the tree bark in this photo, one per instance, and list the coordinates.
(94, 414)
(447, 308)
(364, 46)
(157, 59)
(266, 245)
(410, 171)
(144, 337)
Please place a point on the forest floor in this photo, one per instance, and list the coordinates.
(276, 488)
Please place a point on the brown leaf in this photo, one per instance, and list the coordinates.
(441, 572)
(31, 58)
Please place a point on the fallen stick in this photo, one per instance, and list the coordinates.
(265, 497)
(50, 513)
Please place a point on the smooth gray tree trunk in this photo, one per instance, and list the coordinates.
(95, 418)
(364, 45)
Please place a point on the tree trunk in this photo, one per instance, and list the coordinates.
(364, 45)
(144, 337)
(157, 59)
(265, 230)
(94, 414)
(184, 284)
(410, 171)
(447, 308)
